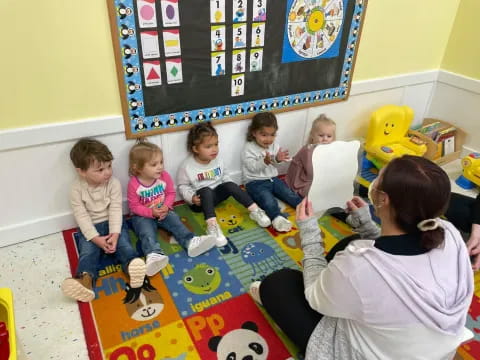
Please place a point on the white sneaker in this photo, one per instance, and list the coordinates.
(255, 292)
(281, 224)
(200, 244)
(214, 230)
(259, 216)
(155, 263)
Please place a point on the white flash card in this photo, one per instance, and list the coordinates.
(150, 48)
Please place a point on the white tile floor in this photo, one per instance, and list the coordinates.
(48, 324)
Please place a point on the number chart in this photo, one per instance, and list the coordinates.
(181, 62)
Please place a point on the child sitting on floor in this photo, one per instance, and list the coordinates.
(203, 181)
(96, 200)
(259, 158)
(151, 194)
(300, 172)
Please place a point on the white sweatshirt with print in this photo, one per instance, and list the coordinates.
(193, 176)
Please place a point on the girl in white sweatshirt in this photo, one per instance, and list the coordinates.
(203, 181)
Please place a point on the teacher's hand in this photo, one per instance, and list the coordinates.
(473, 246)
(304, 210)
(356, 203)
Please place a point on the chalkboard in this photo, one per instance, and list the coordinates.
(180, 62)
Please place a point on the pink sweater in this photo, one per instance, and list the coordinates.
(300, 172)
(142, 198)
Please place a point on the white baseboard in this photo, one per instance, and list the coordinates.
(468, 150)
(35, 228)
(59, 132)
(456, 99)
(392, 82)
(459, 81)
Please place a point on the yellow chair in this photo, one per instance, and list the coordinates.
(471, 171)
(6, 316)
(387, 135)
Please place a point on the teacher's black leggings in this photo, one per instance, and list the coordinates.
(282, 295)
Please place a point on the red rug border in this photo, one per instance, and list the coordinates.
(89, 329)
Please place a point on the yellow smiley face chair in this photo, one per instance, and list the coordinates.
(471, 171)
(387, 135)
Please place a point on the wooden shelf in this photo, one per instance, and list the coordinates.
(432, 146)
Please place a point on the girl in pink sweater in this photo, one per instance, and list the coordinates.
(151, 194)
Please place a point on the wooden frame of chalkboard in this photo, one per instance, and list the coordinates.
(179, 62)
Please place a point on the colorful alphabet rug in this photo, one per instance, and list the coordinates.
(199, 308)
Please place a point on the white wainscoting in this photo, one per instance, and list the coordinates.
(456, 99)
(37, 173)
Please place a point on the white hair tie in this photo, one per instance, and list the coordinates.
(429, 224)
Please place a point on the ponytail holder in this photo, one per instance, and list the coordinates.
(429, 224)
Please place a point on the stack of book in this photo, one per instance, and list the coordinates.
(443, 135)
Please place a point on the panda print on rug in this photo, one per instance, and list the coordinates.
(240, 344)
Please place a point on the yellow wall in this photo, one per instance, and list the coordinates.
(463, 51)
(58, 63)
(404, 36)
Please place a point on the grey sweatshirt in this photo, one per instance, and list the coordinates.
(253, 163)
(383, 306)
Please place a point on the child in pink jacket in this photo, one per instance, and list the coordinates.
(300, 172)
(151, 194)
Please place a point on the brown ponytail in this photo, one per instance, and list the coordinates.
(418, 190)
(432, 239)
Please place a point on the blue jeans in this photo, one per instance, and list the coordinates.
(263, 192)
(147, 228)
(90, 253)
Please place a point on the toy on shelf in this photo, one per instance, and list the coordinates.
(471, 171)
(387, 136)
(7, 330)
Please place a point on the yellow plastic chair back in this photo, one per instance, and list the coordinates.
(6, 316)
(387, 136)
(471, 167)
